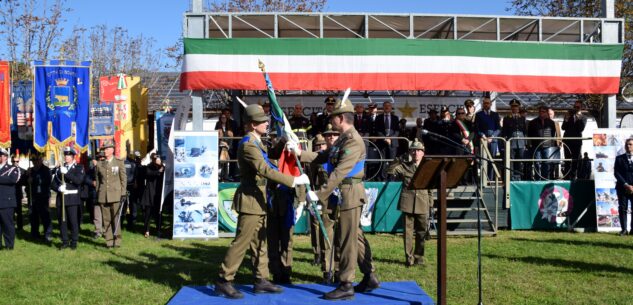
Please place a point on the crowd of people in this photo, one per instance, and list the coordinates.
(110, 189)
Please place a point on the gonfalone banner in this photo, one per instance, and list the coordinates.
(5, 120)
(22, 104)
(102, 120)
(62, 100)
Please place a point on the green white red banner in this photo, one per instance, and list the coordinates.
(402, 64)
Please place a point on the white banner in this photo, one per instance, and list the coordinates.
(607, 144)
(195, 184)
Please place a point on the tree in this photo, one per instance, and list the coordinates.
(266, 5)
(585, 8)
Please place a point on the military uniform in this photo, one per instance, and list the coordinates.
(19, 195)
(414, 205)
(38, 189)
(347, 157)
(111, 189)
(9, 176)
(515, 125)
(68, 187)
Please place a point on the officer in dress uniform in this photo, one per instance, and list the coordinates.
(9, 177)
(414, 205)
(38, 190)
(515, 125)
(19, 193)
(347, 160)
(111, 183)
(251, 204)
(67, 181)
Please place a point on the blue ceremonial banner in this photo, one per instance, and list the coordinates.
(62, 99)
(102, 120)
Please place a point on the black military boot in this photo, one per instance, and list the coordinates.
(264, 286)
(344, 291)
(369, 283)
(225, 288)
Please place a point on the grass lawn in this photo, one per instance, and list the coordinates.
(519, 268)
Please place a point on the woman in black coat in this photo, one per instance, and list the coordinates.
(150, 201)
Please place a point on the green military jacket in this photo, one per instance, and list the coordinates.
(344, 154)
(318, 177)
(411, 201)
(250, 196)
(111, 181)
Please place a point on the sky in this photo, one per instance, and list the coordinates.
(162, 19)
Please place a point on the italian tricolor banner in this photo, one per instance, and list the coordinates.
(401, 64)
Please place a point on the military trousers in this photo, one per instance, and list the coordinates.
(315, 236)
(250, 234)
(355, 249)
(280, 239)
(415, 228)
(329, 257)
(111, 212)
(97, 219)
(7, 228)
(72, 219)
(40, 213)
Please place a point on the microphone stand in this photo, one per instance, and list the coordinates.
(478, 184)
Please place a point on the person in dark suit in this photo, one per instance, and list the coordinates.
(487, 125)
(623, 172)
(544, 127)
(38, 189)
(9, 177)
(373, 153)
(19, 193)
(387, 126)
(359, 118)
(573, 125)
(514, 125)
(152, 186)
(430, 124)
(67, 181)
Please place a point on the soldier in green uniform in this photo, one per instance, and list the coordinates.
(251, 204)
(111, 184)
(347, 160)
(414, 205)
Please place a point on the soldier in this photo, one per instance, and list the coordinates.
(414, 205)
(9, 177)
(67, 181)
(111, 181)
(19, 193)
(129, 209)
(469, 106)
(39, 183)
(251, 204)
(514, 125)
(347, 158)
(322, 118)
(298, 121)
(430, 124)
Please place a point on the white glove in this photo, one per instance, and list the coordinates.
(312, 196)
(293, 147)
(303, 179)
(64, 170)
(62, 188)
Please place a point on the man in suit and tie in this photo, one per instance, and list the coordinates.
(573, 126)
(487, 126)
(359, 118)
(387, 126)
(623, 172)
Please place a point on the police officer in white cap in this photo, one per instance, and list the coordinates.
(67, 180)
(9, 176)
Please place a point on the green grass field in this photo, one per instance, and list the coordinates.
(519, 268)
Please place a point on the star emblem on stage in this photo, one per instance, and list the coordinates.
(407, 110)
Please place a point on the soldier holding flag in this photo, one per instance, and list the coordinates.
(67, 181)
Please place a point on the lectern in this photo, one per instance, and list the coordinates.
(441, 173)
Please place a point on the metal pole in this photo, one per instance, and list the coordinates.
(441, 240)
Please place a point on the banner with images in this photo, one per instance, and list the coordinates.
(5, 105)
(22, 109)
(607, 144)
(195, 184)
(62, 100)
(102, 120)
(548, 205)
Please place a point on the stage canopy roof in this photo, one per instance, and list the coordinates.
(329, 51)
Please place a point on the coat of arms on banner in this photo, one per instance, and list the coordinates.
(61, 99)
(555, 204)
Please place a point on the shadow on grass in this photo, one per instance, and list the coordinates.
(564, 263)
(559, 241)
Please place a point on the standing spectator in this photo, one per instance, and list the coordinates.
(573, 125)
(555, 169)
(373, 152)
(90, 184)
(228, 128)
(359, 118)
(542, 126)
(231, 122)
(623, 172)
(111, 187)
(322, 118)
(129, 211)
(487, 124)
(153, 183)
(38, 185)
(445, 127)
(414, 204)
(297, 120)
(515, 126)
(67, 181)
(430, 124)
(9, 177)
(370, 120)
(469, 106)
(225, 128)
(19, 193)
(464, 132)
(387, 126)
(416, 131)
(403, 144)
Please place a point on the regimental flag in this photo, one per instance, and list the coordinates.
(402, 64)
(22, 109)
(62, 101)
(5, 105)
